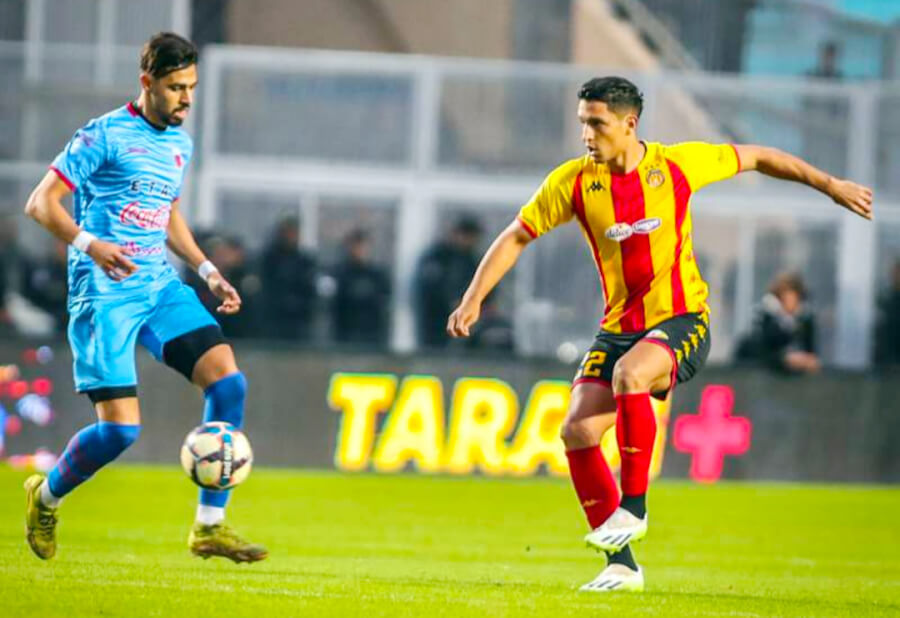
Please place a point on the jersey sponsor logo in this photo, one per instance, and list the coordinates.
(145, 218)
(645, 226)
(153, 188)
(655, 178)
(619, 232)
(135, 250)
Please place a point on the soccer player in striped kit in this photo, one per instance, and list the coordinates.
(125, 170)
(632, 201)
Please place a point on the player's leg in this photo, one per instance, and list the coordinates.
(186, 337)
(102, 338)
(592, 409)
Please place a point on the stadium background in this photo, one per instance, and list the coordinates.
(401, 116)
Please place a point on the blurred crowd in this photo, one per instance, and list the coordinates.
(289, 294)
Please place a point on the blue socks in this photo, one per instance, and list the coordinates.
(224, 402)
(89, 450)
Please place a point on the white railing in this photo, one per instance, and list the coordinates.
(409, 142)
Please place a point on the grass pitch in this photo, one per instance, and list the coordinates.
(417, 546)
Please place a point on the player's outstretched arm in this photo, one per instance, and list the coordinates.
(180, 240)
(773, 162)
(500, 257)
(45, 206)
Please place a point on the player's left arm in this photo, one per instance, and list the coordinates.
(778, 164)
(181, 241)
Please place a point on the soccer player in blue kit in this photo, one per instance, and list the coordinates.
(126, 171)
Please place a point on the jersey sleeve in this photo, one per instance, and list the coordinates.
(551, 204)
(703, 163)
(85, 153)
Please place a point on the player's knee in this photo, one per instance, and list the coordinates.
(225, 399)
(117, 437)
(575, 433)
(628, 378)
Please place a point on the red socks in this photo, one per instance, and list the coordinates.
(636, 432)
(594, 484)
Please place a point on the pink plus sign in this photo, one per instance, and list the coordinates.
(712, 434)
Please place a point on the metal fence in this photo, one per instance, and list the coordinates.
(404, 144)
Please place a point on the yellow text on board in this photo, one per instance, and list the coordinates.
(483, 431)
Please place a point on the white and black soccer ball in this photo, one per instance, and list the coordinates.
(217, 455)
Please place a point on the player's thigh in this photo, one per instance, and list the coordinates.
(102, 335)
(123, 410)
(180, 330)
(648, 366)
(213, 365)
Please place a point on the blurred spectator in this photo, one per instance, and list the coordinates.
(783, 335)
(6, 323)
(288, 284)
(362, 301)
(887, 328)
(827, 67)
(230, 257)
(45, 283)
(441, 278)
(493, 331)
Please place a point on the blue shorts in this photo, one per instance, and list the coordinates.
(103, 333)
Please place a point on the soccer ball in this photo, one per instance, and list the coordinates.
(217, 456)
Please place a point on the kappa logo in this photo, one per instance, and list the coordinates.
(623, 231)
(595, 186)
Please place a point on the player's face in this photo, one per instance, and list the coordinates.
(172, 95)
(605, 133)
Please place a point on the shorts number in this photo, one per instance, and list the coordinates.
(593, 364)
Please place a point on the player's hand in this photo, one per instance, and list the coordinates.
(462, 318)
(224, 291)
(112, 258)
(855, 198)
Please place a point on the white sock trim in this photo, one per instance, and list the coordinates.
(47, 497)
(210, 515)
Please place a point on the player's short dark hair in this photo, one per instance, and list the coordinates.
(166, 52)
(618, 93)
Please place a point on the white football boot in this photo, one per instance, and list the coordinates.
(616, 577)
(617, 531)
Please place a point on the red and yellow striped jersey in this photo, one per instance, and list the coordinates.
(638, 226)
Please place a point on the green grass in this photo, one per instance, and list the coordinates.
(418, 546)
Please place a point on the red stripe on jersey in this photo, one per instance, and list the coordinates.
(64, 178)
(637, 263)
(578, 207)
(131, 109)
(682, 191)
(527, 227)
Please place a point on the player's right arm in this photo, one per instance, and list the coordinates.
(550, 206)
(45, 206)
(500, 257)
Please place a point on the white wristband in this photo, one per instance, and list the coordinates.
(206, 269)
(83, 240)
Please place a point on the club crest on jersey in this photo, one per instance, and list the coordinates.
(179, 161)
(645, 226)
(619, 232)
(655, 178)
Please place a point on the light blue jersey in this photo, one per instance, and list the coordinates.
(125, 173)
